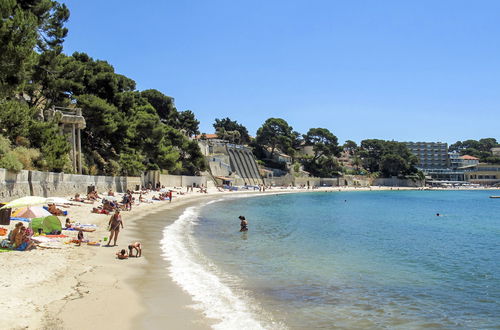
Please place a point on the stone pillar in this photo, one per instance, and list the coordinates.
(79, 138)
(73, 143)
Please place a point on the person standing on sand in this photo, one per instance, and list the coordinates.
(243, 223)
(114, 226)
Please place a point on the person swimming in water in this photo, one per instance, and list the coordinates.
(243, 223)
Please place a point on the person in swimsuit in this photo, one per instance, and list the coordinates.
(114, 226)
(122, 254)
(137, 247)
(243, 223)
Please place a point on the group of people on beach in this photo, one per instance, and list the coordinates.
(19, 238)
(114, 225)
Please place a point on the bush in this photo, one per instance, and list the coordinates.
(27, 156)
(4, 145)
(10, 162)
(113, 167)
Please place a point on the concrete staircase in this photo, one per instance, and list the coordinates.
(244, 164)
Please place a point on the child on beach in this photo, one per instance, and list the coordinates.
(122, 254)
(80, 237)
(137, 247)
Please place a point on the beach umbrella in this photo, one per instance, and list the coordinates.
(48, 224)
(31, 212)
(57, 200)
(25, 201)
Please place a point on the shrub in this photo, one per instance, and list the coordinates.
(10, 162)
(27, 156)
(4, 145)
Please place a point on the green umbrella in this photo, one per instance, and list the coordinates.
(24, 201)
(48, 224)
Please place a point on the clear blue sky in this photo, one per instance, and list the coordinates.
(396, 70)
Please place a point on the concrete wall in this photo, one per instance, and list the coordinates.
(346, 180)
(182, 180)
(396, 182)
(13, 185)
(47, 184)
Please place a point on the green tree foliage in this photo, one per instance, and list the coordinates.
(127, 131)
(53, 146)
(44, 87)
(350, 146)
(187, 122)
(164, 105)
(131, 163)
(15, 119)
(325, 167)
(18, 37)
(389, 158)
(324, 143)
(18, 158)
(325, 146)
(275, 133)
(227, 125)
(480, 149)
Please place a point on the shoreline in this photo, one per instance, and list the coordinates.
(87, 287)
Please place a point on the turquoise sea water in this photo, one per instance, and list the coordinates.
(350, 259)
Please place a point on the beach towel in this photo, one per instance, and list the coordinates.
(42, 239)
(20, 219)
(51, 245)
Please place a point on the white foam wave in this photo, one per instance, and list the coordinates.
(201, 278)
(214, 201)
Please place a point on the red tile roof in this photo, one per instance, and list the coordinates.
(467, 157)
(207, 136)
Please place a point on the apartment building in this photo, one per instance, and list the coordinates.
(430, 155)
(484, 174)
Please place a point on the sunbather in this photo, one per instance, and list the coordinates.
(99, 210)
(77, 198)
(54, 210)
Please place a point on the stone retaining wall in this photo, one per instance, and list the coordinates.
(48, 184)
(182, 180)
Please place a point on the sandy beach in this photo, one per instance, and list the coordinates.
(82, 287)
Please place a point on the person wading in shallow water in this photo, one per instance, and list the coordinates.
(243, 223)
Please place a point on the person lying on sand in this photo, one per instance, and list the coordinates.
(122, 254)
(99, 211)
(54, 210)
(77, 198)
(137, 247)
